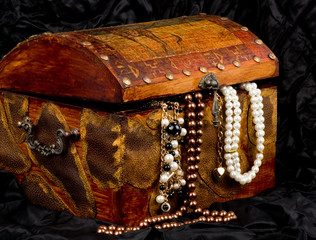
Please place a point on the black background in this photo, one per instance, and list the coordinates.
(288, 27)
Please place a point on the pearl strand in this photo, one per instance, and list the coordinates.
(232, 132)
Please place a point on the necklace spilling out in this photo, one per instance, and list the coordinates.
(232, 132)
(172, 133)
(171, 175)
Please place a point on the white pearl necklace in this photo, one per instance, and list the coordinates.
(232, 132)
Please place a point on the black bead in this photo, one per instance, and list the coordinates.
(180, 193)
(170, 195)
(168, 146)
(169, 107)
(176, 161)
(162, 187)
(181, 141)
(172, 153)
(166, 168)
(180, 109)
(173, 129)
(166, 207)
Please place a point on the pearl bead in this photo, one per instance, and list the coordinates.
(255, 168)
(174, 143)
(230, 168)
(229, 119)
(164, 178)
(228, 126)
(164, 122)
(229, 162)
(176, 153)
(236, 132)
(235, 139)
(260, 133)
(237, 111)
(228, 133)
(228, 140)
(176, 186)
(260, 140)
(182, 182)
(168, 158)
(227, 156)
(229, 112)
(180, 172)
(183, 132)
(234, 146)
(259, 156)
(174, 166)
(160, 199)
(260, 147)
(237, 118)
(257, 162)
(227, 147)
(180, 120)
(236, 125)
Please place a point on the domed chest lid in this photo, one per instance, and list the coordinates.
(137, 62)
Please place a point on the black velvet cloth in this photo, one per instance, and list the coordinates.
(288, 27)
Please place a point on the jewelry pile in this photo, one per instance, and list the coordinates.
(172, 176)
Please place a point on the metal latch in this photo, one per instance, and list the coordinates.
(210, 82)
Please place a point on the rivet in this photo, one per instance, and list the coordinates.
(220, 66)
(186, 72)
(258, 41)
(224, 18)
(146, 80)
(104, 57)
(86, 43)
(126, 82)
(203, 69)
(257, 59)
(169, 76)
(236, 63)
(272, 56)
(244, 29)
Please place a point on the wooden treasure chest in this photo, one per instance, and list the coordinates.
(127, 122)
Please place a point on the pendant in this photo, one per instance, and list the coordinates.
(218, 173)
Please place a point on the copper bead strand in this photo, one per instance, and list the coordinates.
(195, 116)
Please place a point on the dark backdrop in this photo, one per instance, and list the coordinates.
(288, 27)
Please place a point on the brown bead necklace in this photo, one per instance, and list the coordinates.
(194, 115)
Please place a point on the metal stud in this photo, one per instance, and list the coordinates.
(272, 56)
(258, 41)
(244, 29)
(86, 43)
(186, 72)
(169, 76)
(236, 63)
(203, 69)
(257, 59)
(126, 82)
(104, 57)
(220, 66)
(224, 18)
(146, 80)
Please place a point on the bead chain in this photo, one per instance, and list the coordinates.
(166, 221)
(232, 132)
(171, 174)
